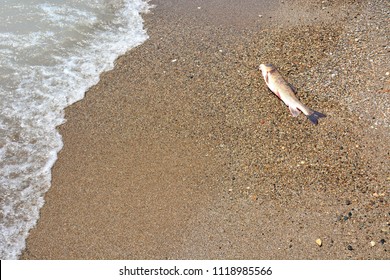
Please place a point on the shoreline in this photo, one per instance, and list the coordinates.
(180, 152)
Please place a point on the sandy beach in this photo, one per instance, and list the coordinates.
(181, 151)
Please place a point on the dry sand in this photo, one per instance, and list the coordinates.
(181, 152)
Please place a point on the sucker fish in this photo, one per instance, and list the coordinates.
(286, 92)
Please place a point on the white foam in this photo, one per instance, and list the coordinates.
(46, 71)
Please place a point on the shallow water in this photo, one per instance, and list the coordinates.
(51, 52)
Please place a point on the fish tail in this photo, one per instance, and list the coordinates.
(314, 116)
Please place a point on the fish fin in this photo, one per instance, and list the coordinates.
(314, 116)
(266, 78)
(292, 88)
(294, 111)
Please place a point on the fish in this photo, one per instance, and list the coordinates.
(286, 92)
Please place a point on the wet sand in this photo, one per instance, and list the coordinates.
(181, 152)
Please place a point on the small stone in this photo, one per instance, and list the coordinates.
(345, 218)
(385, 229)
(372, 243)
(382, 241)
(319, 242)
(302, 162)
(349, 247)
(173, 60)
(348, 202)
(260, 15)
(387, 73)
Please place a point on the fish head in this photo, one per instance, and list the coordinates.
(265, 69)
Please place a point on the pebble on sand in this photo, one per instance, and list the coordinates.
(372, 243)
(319, 242)
(385, 229)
